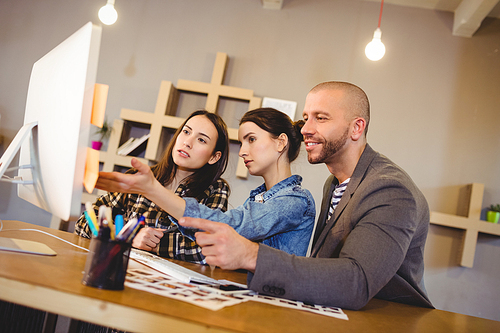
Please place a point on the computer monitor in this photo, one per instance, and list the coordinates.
(55, 135)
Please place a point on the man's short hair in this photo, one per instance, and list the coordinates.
(355, 101)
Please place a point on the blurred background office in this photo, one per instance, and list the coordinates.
(435, 96)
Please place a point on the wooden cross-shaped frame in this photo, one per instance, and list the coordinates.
(471, 224)
(162, 118)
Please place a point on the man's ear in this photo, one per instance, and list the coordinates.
(358, 128)
(282, 142)
(215, 157)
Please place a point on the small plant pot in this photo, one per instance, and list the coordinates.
(96, 145)
(492, 216)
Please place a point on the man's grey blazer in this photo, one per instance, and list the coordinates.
(372, 246)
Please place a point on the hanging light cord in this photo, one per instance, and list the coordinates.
(380, 16)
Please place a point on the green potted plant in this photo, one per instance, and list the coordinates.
(104, 133)
(493, 213)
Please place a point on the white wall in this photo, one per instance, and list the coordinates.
(434, 97)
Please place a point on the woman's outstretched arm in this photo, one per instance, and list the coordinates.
(143, 182)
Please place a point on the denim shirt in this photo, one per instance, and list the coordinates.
(282, 217)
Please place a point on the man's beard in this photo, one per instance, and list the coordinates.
(330, 148)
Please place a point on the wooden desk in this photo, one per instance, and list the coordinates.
(53, 284)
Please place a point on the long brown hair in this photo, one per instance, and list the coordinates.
(202, 178)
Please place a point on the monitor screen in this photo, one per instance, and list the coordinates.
(59, 100)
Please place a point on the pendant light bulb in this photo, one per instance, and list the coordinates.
(375, 49)
(107, 14)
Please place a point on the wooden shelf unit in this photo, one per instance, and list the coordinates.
(164, 117)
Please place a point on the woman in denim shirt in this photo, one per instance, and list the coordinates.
(279, 213)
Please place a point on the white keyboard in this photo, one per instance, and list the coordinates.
(182, 273)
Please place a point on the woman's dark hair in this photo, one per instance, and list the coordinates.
(276, 122)
(202, 178)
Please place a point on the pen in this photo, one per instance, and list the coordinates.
(118, 224)
(91, 213)
(112, 232)
(111, 225)
(109, 214)
(124, 232)
(90, 223)
(134, 232)
(104, 232)
(102, 215)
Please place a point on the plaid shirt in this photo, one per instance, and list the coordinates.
(173, 244)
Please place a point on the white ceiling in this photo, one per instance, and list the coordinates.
(468, 13)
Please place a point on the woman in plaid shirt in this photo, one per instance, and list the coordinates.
(193, 163)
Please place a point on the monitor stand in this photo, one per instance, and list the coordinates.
(7, 157)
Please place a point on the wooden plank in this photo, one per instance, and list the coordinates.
(471, 224)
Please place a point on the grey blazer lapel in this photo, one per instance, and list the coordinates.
(325, 203)
(334, 220)
(359, 172)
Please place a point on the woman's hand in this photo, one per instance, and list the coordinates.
(143, 182)
(147, 239)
